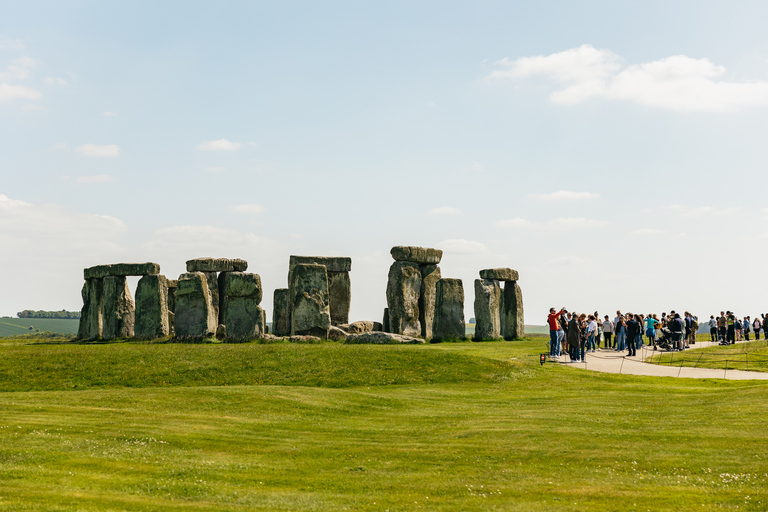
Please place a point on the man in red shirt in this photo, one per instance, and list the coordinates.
(554, 350)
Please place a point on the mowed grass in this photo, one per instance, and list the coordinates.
(751, 356)
(17, 326)
(507, 435)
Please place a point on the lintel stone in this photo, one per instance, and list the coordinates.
(216, 265)
(421, 255)
(500, 274)
(122, 269)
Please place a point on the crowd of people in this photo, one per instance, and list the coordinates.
(577, 334)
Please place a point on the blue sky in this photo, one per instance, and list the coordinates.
(612, 152)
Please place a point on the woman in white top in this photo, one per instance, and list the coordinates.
(591, 332)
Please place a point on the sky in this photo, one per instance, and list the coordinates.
(612, 152)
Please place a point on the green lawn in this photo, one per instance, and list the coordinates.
(473, 426)
(751, 356)
(17, 326)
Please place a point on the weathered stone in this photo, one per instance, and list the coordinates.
(117, 309)
(212, 278)
(308, 290)
(331, 264)
(421, 255)
(380, 338)
(514, 322)
(95, 299)
(360, 327)
(339, 296)
(281, 320)
(272, 337)
(153, 318)
(430, 275)
(449, 310)
(240, 298)
(487, 310)
(264, 324)
(171, 293)
(336, 334)
(122, 269)
(221, 332)
(171, 323)
(304, 338)
(194, 311)
(385, 320)
(403, 291)
(82, 328)
(499, 274)
(216, 265)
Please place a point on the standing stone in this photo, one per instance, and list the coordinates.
(152, 314)
(487, 310)
(385, 320)
(340, 296)
(240, 298)
(194, 310)
(117, 308)
(212, 278)
(430, 275)
(82, 329)
(449, 310)
(171, 285)
(514, 326)
(403, 292)
(281, 322)
(308, 295)
(95, 299)
(264, 324)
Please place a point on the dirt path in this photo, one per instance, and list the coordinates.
(610, 361)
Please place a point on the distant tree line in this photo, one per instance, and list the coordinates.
(63, 314)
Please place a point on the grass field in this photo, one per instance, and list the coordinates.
(742, 356)
(16, 326)
(453, 426)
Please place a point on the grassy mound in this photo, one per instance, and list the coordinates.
(82, 366)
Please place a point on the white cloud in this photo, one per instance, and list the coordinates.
(445, 210)
(7, 43)
(50, 80)
(95, 150)
(678, 82)
(18, 70)
(109, 114)
(701, 210)
(648, 232)
(99, 178)
(247, 208)
(215, 169)
(565, 195)
(461, 246)
(219, 145)
(10, 92)
(559, 224)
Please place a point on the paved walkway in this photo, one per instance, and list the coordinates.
(610, 361)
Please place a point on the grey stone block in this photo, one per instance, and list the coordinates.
(403, 292)
(153, 317)
(449, 310)
(308, 290)
(281, 320)
(499, 274)
(487, 310)
(216, 265)
(122, 269)
(421, 255)
(117, 309)
(430, 275)
(195, 315)
(514, 323)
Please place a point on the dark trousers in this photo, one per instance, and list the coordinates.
(631, 347)
(731, 335)
(722, 333)
(713, 333)
(608, 341)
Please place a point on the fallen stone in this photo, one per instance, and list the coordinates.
(421, 255)
(360, 327)
(221, 332)
(336, 334)
(430, 275)
(117, 309)
(514, 322)
(153, 317)
(216, 265)
(301, 338)
(380, 338)
(122, 269)
(95, 300)
(449, 310)
(339, 296)
(403, 291)
(194, 310)
(281, 320)
(308, 294)
(272, 337)
(487, 310)
(499, 274)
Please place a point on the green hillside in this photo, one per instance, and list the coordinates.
(14, 326)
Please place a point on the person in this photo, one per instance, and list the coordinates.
(677, 327)
(712, 328)
(737, 327)
(694, 329)
(745, 328)
(554, 344)
(583, 337)
(620, 327)
(730, 321)
(722, 325)
(688, 328)
(573, 336)
(756, 326)
(562, 328)
(591, 333)
(650, 329)
(633, 330)
(608, 332)
(598, 331)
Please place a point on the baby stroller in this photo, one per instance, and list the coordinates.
(664, 342)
